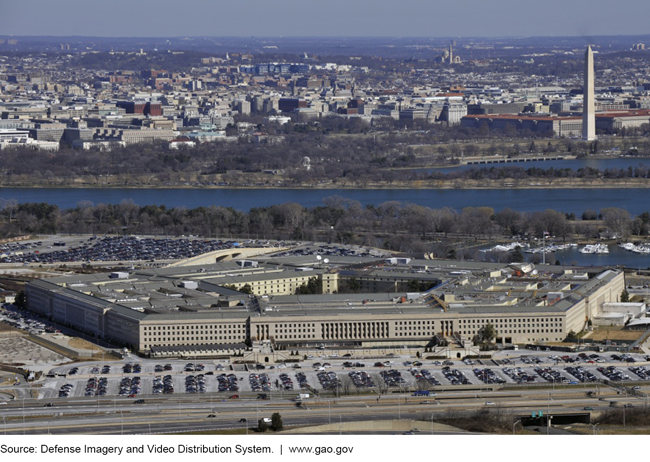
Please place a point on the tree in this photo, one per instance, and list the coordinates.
(625, 296)
(262, 426)
(21, 300)
(617, 221)
(486, 334)
(516, 255)
(276, 422)
(313, 286)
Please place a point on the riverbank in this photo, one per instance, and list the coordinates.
(503, 183)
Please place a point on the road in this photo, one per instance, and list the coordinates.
(171, 414)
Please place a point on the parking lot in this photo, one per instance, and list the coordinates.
(148, 378)
(61, 249)
(110, 248)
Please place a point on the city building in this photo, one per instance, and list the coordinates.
(419, 303)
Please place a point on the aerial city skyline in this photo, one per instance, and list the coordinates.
(362, 217)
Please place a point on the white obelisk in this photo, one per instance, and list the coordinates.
(589, 104)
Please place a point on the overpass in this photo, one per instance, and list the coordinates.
(227, 255)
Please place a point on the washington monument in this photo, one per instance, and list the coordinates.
(589, 105)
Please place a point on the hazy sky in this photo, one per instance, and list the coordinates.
(425, 18)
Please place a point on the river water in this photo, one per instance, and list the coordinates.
(634, 200)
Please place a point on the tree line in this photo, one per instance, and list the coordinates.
(345, 160)
(392, 225)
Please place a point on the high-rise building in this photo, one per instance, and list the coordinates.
(589, 105)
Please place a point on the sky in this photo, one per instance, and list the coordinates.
(336, 18)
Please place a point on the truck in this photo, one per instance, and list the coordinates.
(266, 420)
(302, 396)
(421, 393)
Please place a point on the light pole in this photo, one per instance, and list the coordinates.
(122, 420)
(4, 424)
(514, 425)
(593, 426)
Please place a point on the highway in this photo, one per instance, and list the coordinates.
(171, 414)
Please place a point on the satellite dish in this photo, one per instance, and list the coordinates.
(327, 260)
(318, 257)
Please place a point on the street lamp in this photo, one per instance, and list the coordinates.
(593, 426)
(514, 425)
(329, 404)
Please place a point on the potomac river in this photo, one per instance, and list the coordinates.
(634, 200)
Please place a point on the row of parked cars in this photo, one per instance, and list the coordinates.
(195, 384)
(392, 377)
(259, 382)
(130, 386)
(428, 376)
(455, 376)
(162, 368)
(104, 370)
(488, 376)
(329, 380)
(551, 375)
(518, 375)
(65, 390)
(191, 367)
(327, 250)
(163, 385)
(361, 379)
(582, 374)
(302, 380)
(227, 382)
(613, 374)
(641, 371)
(287, 383)
(132, 368)
(96, 386)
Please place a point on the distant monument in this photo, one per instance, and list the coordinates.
(447, 56)
(588, 104)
